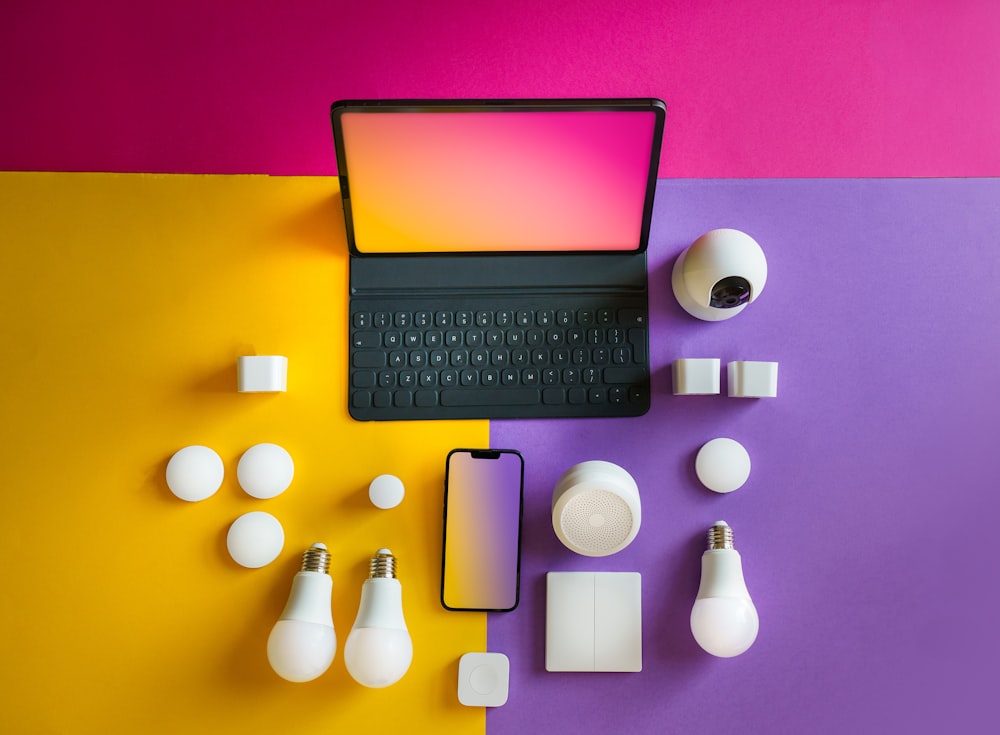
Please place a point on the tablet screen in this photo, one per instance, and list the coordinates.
(450, 179)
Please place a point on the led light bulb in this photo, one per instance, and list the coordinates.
(303, 642)
(379, 650)
(723, 620)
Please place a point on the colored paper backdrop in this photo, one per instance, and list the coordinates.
(754, 89)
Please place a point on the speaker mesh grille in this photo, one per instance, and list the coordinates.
(597, 522)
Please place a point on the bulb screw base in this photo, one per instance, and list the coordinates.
(316, 559)
(720, 536)
(383, 565)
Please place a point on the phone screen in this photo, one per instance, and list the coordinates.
(482, 529)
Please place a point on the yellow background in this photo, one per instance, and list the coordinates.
(125, 302)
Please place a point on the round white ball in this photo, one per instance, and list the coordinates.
(386, 491)
(255, 539)
(265, 471)
(194, 473)
(722, 465)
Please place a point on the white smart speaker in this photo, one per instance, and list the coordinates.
(595, 508)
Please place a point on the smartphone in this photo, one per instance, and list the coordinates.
(481, 559)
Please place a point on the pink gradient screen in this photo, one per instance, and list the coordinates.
(482, 531)
(487, 181)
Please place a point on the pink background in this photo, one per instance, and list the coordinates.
(782, 88)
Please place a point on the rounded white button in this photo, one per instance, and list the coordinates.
(386, 491)
(255, 539)
(194, 473)
(265, 470)
(484, 679)
(722, 465)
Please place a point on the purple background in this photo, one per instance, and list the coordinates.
(865, 526)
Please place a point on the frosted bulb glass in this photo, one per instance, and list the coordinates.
(303, 642)
(378, 657)
(379, 650)
(724, 620)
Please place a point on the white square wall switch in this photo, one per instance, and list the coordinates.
(593, 621)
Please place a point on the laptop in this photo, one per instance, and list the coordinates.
(498, 256)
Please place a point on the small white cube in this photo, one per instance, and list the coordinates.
(483, 679)
(750, 379)
(262, 374)
(697, 376)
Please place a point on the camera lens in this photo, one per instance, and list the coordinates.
(730, 292)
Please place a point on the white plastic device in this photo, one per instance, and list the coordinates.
(719, 274)
(697, 376)
(262, 374)
(483, 679)
(265, 470)
(595, 508)
(255, 539)
(593, 621)
(722, 465)
(195, 473)
(752, 379)
(386, 491)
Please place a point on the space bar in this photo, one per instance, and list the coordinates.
(480, 397)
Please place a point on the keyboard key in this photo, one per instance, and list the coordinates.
(363, 379)
(362, 320)
(631, 317)
(368, 359)
(624, 375)
(426, 398)
(554, 395)
(483, 397)
(362, 340)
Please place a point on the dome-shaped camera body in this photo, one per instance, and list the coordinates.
(719, 274)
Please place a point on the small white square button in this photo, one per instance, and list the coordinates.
(483, 679)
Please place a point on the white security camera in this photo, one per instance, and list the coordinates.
(719, 274)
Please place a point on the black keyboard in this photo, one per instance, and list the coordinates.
(525, 359)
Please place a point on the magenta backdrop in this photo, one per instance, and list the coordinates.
(754, 89)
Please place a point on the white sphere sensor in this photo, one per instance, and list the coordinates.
(194, 473)
(255, 539)
(265, 470)
(722, 465)
(386, 491)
